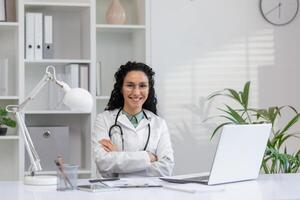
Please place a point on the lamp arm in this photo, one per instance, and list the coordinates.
(33, 156)
(17, 109)
(49, 76)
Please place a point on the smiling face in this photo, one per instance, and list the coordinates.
(135, 91)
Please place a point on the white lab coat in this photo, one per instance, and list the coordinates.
(133, 161)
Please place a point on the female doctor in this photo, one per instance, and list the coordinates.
(129, 139)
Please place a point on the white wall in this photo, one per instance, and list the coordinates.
(203, 46)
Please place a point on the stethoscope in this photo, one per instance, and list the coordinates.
(121, 132)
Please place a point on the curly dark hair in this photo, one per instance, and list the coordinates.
(116, 98)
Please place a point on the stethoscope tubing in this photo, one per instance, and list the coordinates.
(121, 131)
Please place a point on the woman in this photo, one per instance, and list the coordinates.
(129, 138)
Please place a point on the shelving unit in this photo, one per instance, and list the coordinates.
(117, 44)
(9, 144)
(119, 28)
(81, 36)
(56, 4)
(57, 61)
(102, 97)
(4, 26)
(9, 97)
(9, 137)
(45, 112)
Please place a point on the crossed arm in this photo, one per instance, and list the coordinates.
(109, 160)
(108, 146)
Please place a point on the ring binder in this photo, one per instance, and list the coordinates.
(48, 37)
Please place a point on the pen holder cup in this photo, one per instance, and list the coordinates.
(67, 177)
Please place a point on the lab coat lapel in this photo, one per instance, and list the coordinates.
(144, 122)
(122, 119)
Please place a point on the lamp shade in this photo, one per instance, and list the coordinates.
(78, 99)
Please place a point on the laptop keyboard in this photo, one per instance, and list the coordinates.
(199, 178)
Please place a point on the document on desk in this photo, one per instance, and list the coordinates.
(194, 187)
(134, 183)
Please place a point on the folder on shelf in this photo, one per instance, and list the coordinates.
(84, 77)
(2, 11)
(72, 75)
(48, 37)
(38, 36)
(3, 77)
(29, 35)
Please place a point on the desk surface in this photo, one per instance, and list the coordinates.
(278, 186)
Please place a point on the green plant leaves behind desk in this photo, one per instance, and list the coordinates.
(276, 158)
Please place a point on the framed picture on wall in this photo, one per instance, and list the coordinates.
(2, 11)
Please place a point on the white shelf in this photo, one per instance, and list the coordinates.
(37, 112)
(50, 61)
(56, 4)
(102, 97)
(81, 36)
(8, 25)
(119, 28)
(9, 137)
(9, 97)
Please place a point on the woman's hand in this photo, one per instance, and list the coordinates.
(108, 145)
(153, 158)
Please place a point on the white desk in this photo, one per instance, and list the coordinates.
(279, 186)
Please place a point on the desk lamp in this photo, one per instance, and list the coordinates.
(77, 99)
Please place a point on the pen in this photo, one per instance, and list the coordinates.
(138, 186)
(179, 189)
(59, 163)
(103, 179)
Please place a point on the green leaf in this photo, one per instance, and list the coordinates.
(3, 112)
(9, 122)
(276, 158)
(215, 94)
(235, 115)
(245, 94)
(235, 95)
(218, 127)
(291, 123)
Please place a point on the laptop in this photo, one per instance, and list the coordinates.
(238, 156)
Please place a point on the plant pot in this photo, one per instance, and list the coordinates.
(3, 131)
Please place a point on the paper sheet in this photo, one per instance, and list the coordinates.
(194, 187)
(138, 182)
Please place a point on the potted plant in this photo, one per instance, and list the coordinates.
(5, 121)
(276, 158)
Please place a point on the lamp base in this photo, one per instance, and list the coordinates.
(40, 180)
